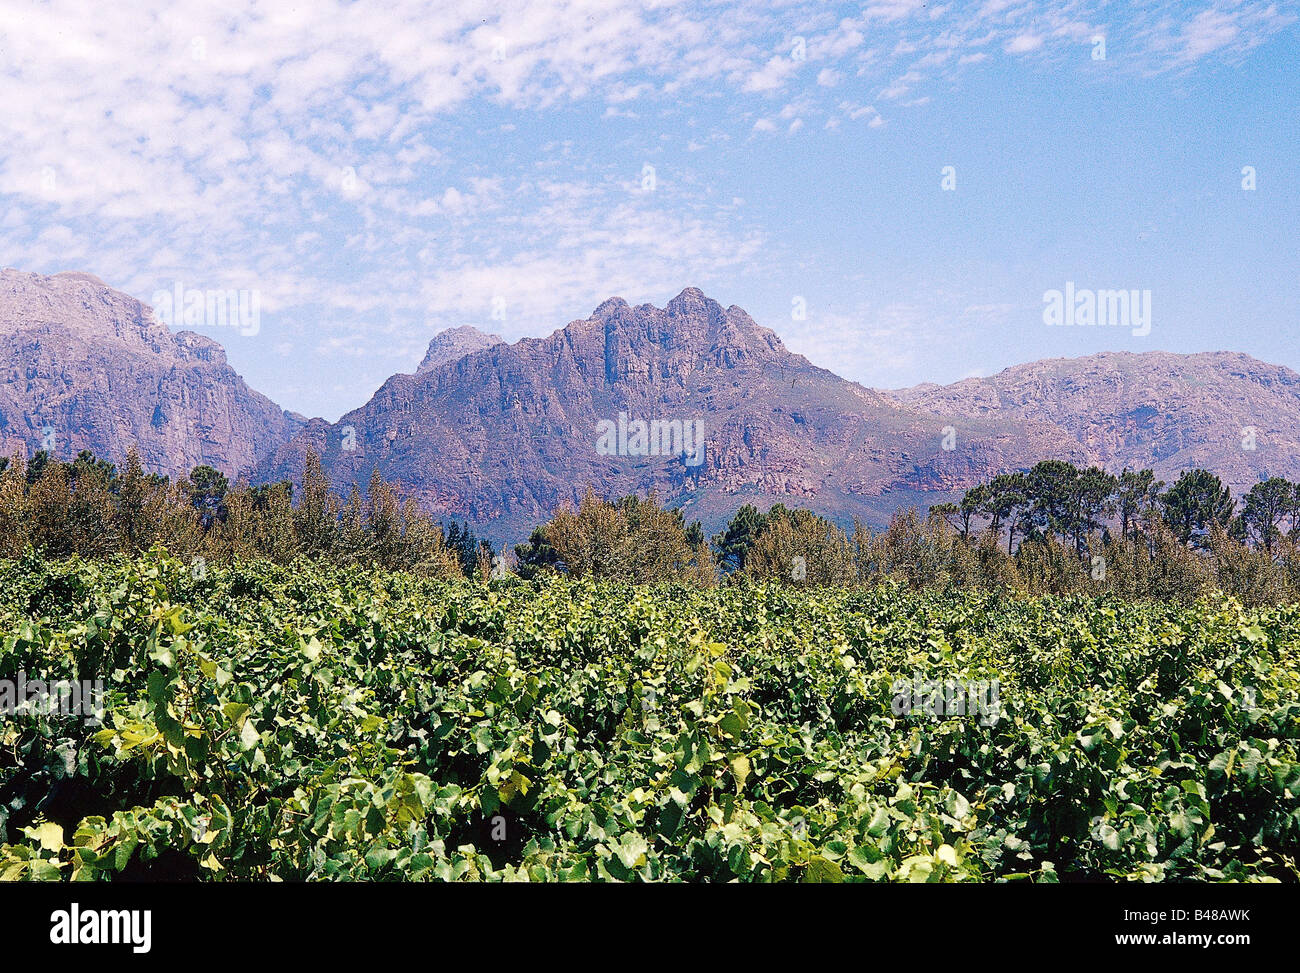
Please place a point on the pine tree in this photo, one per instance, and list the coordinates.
(733, 543)
(1197, 500)
(316, 516)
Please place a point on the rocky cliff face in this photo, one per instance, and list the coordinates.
(83, 366)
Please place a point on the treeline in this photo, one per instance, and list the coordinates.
(92, 508)
(1054, 529)
(1058, 500)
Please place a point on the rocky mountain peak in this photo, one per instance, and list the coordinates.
(610, 307)
(454, 344)
(691, 331)
(77, 303)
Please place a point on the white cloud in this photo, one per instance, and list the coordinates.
(1024, 43)
(772, 75)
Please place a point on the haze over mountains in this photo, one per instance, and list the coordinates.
(500, 434)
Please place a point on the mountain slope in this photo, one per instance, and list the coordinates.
(83, 366)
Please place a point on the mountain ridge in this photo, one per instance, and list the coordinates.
(500, 433)
(83, 366)
(780, 427)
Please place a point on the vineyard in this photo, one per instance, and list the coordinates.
(316, 722)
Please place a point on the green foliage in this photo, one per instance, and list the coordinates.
(91, 508)
(1265, 506)
(800, 547)
(536, 556)
(1195, 503)
(630, 539)
(324, 722)
(734, 542)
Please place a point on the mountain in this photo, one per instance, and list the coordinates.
(454, 344)
(694, 401)
(83, 366)
(1222, 411)
(501, 435)
(504, 434)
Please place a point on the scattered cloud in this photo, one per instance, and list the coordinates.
(378, 166)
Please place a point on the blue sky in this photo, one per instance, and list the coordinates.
(380, 171)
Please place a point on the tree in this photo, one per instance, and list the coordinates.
(207, 489)
(173, 521)
(15, 515)
(49, 501)
(353, 540)
(483, 564)
(1138, 492)
(315, 519)
(922, 552)
(276, 538)
(132, 497)
(630, 539)
(1197, 500)
(236, 535)
(661, 543)
(1007, 495)
(36, 468)
(535, 556)
(1092, 500)
(265, 494)
(733, 543)
(959, 515)
(950, 512)
(1264, 507)
(86, 465)
(799, 546)
(460, 540)
(92, 514)
(423, 549)
(971, 506)
(591, 540)
(1051, 487)
(383, 517)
